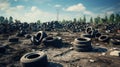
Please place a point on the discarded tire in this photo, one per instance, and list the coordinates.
(88, 30)
(115, 41)
(34, 59)
(86, 35)
(52, 41)
(82, 44)
(2, 48)
(97, 35)
(37, 38)
(40, 35)
(27, 36)
(103, 38)
(35, 41)
(14, 39)
(21, 33)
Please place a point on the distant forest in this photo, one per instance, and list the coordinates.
(113, 18)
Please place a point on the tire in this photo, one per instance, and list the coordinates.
(97, 35)
(51, 41)
(40, 35)
(88, 29)
(88, 49)
(82, 44)
(115, 41)
(34, 41)
(103, 38)
(87, 35)
(14, 39)
(34, 59)
(82, 40)
(2, 49)
(28, 36)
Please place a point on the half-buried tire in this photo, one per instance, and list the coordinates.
(115, 41)
(34, 59)
(52, 41)
(2, 48)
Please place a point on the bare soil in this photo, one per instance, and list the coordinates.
(59, 57)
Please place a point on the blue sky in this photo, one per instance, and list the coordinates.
(45, 10)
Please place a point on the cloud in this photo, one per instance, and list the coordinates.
(20, 7)
(88, 12)
(109, 12)
(4, 5)
(78, 7)
(57, 5)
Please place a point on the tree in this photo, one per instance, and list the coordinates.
(96, 20)
(112, 18)
(38, 22)
(117, 18)
(106, 19)
(84, 19)
(91, 20)
(6, 20)
(80, 20)
(74, 20)
(10, 19)
(63, 21)
(2, 19)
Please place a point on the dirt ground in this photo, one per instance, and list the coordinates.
(60, 57)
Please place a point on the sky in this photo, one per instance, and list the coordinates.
(47, 10)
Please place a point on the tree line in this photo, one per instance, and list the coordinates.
(113, 18)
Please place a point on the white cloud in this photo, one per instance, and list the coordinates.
(4, 5)
(34, 8)
(78, 7)
(109, 12)
(88, 12)
(20, 7)
(57, 5)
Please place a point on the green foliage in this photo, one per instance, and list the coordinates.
(91, 20)
(84, 19)
(74, 20)
(112, 18)
(38, 22)
(2, 19)
(10, 19)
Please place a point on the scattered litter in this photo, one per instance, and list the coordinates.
(115, 53)
(92, 61)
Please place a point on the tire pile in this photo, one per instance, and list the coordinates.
(82, 44)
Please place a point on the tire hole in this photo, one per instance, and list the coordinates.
(33, 56)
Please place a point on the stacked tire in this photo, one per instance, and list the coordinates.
(82, 44)
(34, 59)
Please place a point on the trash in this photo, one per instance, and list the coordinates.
(103, 54)
(115, 53)
(82, 44)
(91, 60)
(34, 59)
